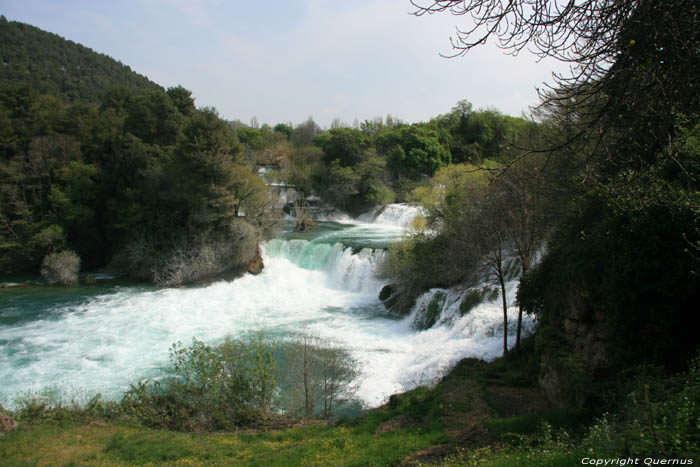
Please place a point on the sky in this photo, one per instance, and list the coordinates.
(282, 61)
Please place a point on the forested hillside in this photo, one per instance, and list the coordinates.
(98, 165)
(100, 162)
(50, 64)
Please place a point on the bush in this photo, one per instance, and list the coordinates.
(212, 388)
(51, 406)
(61, 268)
(665, 424)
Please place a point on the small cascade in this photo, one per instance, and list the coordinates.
(474, 313)
(397, 215)
(345, 269)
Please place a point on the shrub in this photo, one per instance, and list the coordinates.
(211, 388)
(52, 406)
(61, 268)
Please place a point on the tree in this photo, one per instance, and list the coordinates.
(346, 146)
(284, 128)
(319, 376)
(153, 118)
(412, 151)
(634, 63)
(303, 134)
(182, 99)
(249, 193)
(535, 192)
(473, 216)
(341, 183)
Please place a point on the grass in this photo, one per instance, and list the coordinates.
(486, 414)
(557, 455)
(572, 420)
(117, 444)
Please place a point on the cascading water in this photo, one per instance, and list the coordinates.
(398, 215)
(101, 338)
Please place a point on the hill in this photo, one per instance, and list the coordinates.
(50, 64)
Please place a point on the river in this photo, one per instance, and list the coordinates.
(103, 336)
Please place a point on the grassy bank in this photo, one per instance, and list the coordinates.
(480, 414)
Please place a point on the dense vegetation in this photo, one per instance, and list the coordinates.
(137, 178)
(49, 64)
(375, 162)
(133, 176)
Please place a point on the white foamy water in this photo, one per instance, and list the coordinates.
(397, 215)
(105, 341)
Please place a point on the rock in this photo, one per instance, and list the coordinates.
(386, 292)
(429, 313)
(61, 268)
(396, 299)
(256, 266)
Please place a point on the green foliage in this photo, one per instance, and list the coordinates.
(284, 129)
(379, 195)
(98, 179)
(238, 383)
(50, 407)
(614, 259)
(307, 170)
(182, 100)
(663, 425)
(213, 388)
(114, 171)
(341, 183)
(419, 263)
(251, 137)
(344, 145)
(420, 151)
(50, 64)
(153, 118)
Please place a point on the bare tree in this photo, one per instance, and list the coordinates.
(633, 63)
(319, 376)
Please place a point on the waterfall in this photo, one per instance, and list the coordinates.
(343, 268)
(105, 336)
(474, 313)
(397, 215)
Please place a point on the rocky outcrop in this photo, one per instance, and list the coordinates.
(429, 312)
(579, 351)
(586, 330)
(396, 299)
(256, 266)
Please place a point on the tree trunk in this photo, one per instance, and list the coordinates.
(525, 261)
(505, 313)
(517, 332)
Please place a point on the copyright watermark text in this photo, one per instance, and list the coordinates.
(621, 461)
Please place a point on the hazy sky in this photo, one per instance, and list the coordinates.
(284, 60)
